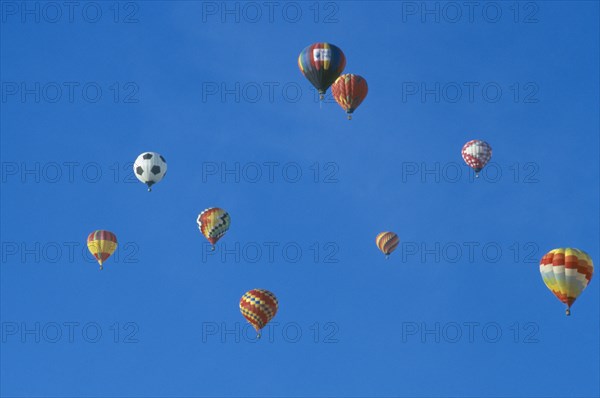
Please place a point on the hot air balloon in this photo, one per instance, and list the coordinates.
(150, 168)
(477, 154)
(102, 244)
(213, 224)
(387, 242)
(321, 64)
(349, 91)
(258, 306)
(566, 272)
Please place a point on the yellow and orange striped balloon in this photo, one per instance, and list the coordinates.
(387, 242)
(259, 306)
(566, 272)
(102, 244)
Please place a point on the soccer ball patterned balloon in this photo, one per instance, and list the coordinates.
(150, 168)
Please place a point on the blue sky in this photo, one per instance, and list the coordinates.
(458, 310)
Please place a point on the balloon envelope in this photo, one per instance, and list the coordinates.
(213, 223)
(349, 91)
(566, 272)
(259, 306)
(387, 242)
(102, 244)
(321, 64)
(150, 168)
(476, 154)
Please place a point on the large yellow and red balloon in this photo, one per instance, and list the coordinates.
(566, 272)
(102, 244)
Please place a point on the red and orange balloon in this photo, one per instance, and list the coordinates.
(349, 91)
(258, 306)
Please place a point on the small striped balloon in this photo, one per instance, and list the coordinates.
(102, 244)
(258, 306)
(387, 242)
(566, 272)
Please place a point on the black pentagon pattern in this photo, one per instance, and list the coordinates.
(155, 170)
(163, 159)
(147, 156)
(139, 170)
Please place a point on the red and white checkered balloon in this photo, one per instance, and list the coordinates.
(477, 154)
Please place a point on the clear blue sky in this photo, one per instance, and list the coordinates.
(161, 77)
